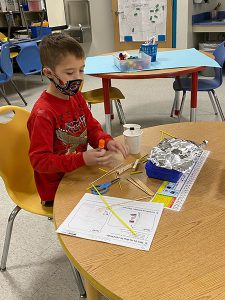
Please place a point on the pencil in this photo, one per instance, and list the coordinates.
(113, 212)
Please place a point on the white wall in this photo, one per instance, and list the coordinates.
(185, 10)
(182, 23)
(102, 28)
(56, 12)
(103, 33)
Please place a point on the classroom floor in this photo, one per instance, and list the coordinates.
(37, 268)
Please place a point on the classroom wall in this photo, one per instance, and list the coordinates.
(102, 25)
(185, 10)
(102, 28)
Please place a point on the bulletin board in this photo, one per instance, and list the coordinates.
(135, 21)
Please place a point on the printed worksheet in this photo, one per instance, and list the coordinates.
(92, 220)
(141, 19)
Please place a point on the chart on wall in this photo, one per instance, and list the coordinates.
(139, 20)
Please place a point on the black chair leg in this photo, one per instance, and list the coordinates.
(4, 96)
(18, 92)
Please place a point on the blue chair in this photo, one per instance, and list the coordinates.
(28, 58)
(6, 71)
(204, 85)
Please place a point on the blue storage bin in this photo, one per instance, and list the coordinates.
(35, 30)
(150, 49)
(162, 173)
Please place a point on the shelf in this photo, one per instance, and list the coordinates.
(7, 12)
(30, 11)
(18, 12)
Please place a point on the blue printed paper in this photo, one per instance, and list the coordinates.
(165, 60)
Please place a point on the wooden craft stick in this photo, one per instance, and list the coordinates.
(119, 182)
(136, 172)
(124, 169)
(108, 173)
(143, 157)
(142, 198)
(138, 186)
(136, 164)
(144, 186)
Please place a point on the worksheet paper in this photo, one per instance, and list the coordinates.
(92, 220)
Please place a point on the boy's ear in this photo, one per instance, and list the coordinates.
(47, 72)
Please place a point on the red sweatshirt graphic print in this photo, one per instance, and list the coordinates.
(59, 131)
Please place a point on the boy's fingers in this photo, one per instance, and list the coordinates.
(106, 158)
(100, 153)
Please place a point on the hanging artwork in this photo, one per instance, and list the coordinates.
(139, 20)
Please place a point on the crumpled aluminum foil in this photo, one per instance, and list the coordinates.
(176, 154)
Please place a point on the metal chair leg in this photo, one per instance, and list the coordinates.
(120, 111)
(8, 237)
(111, 110)
(42, 79)
(79, 281)
(4, 96)
(218, 105)
(182, 105)
(213, 102)
(176, 104)
(18, 92)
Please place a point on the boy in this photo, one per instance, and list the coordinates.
(60, 124)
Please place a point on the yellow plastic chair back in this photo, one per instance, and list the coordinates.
(15, 167)
(96, 96)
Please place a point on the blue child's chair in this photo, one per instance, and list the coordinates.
(204, 85)
(28, 58)
(6, 71)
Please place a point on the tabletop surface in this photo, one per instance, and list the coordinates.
(164, 73)
(186, 259)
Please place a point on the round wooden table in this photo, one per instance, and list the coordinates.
(186, 259)
(165, 73)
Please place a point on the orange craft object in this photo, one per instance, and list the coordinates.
(101, 144)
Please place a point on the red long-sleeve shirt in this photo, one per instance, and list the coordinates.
(59, 131)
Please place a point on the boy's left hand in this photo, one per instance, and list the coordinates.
(116, 146)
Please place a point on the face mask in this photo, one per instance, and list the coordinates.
(68, 88)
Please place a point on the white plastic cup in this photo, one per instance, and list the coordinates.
(134, 126)
(133, 140)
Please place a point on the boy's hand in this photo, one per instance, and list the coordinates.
(95, 157)
(116, 146)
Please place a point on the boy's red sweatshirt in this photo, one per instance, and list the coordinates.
(59, 131)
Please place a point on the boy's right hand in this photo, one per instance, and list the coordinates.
(95, 157)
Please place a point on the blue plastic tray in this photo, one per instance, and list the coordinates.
(162, 173)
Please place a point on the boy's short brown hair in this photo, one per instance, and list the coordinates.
(56, 46)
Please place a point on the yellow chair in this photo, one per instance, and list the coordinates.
(17, 173)
(16, 170)
(96, 96)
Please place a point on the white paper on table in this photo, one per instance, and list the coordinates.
(92, 220)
